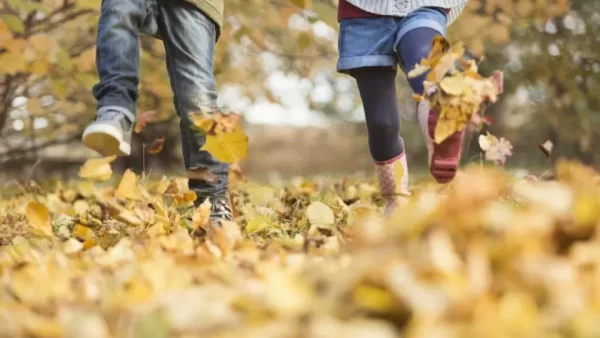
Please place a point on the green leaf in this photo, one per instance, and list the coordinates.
(63, 60)
(13, 23)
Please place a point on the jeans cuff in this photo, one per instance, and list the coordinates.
(118, 109)
(350, 62)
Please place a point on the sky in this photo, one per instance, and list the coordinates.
(292, 90)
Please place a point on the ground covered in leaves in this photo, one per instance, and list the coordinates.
(486, 256)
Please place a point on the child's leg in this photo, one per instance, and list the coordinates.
(117, 62)
(377, 87)
(190, 38)
(414, 44)
(367, 53)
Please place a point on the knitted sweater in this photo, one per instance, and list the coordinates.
(212, 8)
(370, 8)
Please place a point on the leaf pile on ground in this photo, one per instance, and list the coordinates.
(486, 256)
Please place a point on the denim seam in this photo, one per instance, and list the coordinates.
(351, 62)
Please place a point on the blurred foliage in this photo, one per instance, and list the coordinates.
(486, 256)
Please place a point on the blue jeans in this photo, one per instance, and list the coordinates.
(375, 42)
(189, 37)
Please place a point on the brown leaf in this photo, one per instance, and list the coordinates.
(143, 119)
(236, 175)
(156, 146)
(203, 174)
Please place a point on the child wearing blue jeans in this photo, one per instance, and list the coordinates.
(375, 37)
(189, 30)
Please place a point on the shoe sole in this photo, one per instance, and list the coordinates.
(446, 155)
(106, 140)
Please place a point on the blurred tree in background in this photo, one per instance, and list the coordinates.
(548, 50)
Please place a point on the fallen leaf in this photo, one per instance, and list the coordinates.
(38, 217)
(320, 213)
(128, 188)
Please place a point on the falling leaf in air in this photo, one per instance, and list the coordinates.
(496, 150)
(546, 147)
(156, 146)
(235, 175)
(228, 147)
(418, 70)
(97, 169)
(226, 123)
(143, 119)
(202, 174)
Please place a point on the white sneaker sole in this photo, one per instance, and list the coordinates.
(105, 139)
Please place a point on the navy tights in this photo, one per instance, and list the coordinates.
(377, 87)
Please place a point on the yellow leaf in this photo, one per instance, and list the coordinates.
(38, 217)
(374, 298)
(586, 211)
(86, 61)
(419, 70)
(320, 213)
(302, 3)
(88, 4)
(41, 44)
(454, 85)
(63, 60)
(82, 232)
(499, 33)
(97, 169)
(5, 33)
(39, 67)
(15, 45)
(34, 106)
(201, 215)
(256, 225)
(59, 89)
(203, 122)
(128, 188)
(182, 198)
(87, 80)
(228, 147)
(304, 40)
(40, 326)
(12, 63)
(444, 129)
